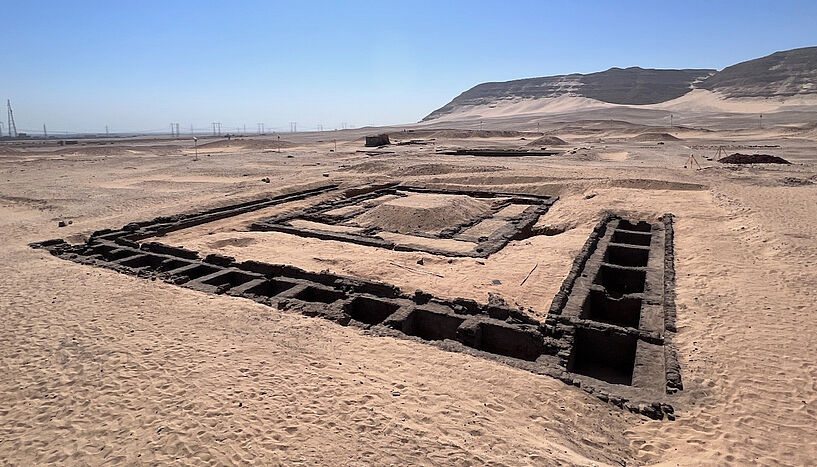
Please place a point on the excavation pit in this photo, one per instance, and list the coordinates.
(319, 294)
(606, 356)
(118, 254)
(632, 238)
(170, 264)
(103, 250)
(640, 226)
(619, 281)
(510, 342)
(195, 272)
(370, 311)
(432, 326)
(621, 255)
(624, 311)
(270, 288)
(142, 261)
(230, 278)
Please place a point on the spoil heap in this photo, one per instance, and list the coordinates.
(738, 158)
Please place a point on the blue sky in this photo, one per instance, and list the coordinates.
(137, 66)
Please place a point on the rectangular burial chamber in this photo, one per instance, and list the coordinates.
(632, 238)
(195, 272)
(624, 311)
(270, 288)
(143, 261)
(626, 256)
(603, 355)
(116, 254)
(432, 326)
(641, 226)
(231, 278)
(510, 342)
(318, 294)
(369, 310)
(620, 281)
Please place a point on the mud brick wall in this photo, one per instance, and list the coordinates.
(612, 321)
(516, 228)
(609, 330)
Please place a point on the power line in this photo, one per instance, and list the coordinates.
(12, 127)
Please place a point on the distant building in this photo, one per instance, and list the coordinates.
(377, 140)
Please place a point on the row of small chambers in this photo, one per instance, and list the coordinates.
(486, 335)
(615, 299)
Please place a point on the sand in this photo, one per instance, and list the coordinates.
(423, 213)
(695, 101)
(653, 136)
(101, 367)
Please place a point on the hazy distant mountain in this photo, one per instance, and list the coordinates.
(789, 73)
(617, 86)
(785, 73)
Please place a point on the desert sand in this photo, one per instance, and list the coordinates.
(101, 367)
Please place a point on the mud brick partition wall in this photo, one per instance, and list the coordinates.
(608, 331)
(516, 227)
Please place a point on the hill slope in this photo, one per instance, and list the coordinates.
(785, 73)
(781, 74)
(616, 86)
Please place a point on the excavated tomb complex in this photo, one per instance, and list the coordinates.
(609, 330)
(403, 218)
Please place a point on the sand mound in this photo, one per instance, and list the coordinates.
(369, 167)
(117, 150)
(420, 169)
(738, 158)
(248, 144)
(458, 134)
(651, 136)
(423, 213)
(548, 141)
(646, 184)
(439, 169)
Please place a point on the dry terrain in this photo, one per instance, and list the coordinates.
(101, 367)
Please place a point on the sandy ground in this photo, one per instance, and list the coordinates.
(101, 367)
